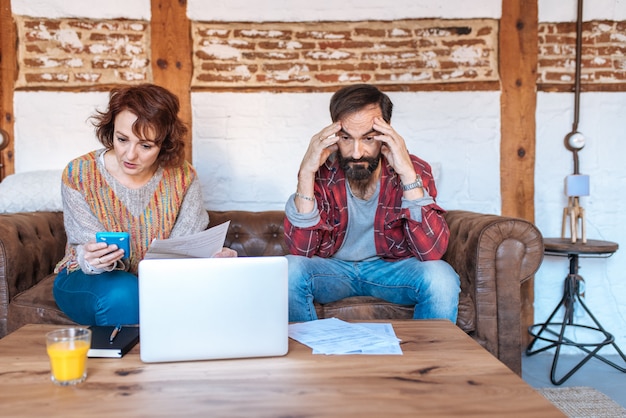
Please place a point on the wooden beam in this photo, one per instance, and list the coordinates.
(8, 72)
(519, 50)
(171, 55)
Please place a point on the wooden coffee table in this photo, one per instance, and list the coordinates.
(443, 372)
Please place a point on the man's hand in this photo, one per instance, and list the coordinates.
(395, 151)
(321, 146)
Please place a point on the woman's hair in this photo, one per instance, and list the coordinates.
(353, 98)
(156, 109)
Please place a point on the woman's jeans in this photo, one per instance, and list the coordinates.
(432, 286)
(109, 298)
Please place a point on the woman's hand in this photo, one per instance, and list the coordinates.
(100, 255)
(226, 253)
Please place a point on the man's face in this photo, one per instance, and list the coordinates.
(359, 152)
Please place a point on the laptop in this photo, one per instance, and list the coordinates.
(212, 308)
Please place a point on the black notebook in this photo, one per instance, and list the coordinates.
(125, 339)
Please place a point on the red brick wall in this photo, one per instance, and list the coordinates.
(333, 53)
(81, 52)
(74, 53)
(603, 58)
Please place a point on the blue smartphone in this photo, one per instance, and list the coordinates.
(121, 239)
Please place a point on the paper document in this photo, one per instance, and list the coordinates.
(204, 244)
(334, 336)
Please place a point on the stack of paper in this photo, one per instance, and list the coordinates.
(334, 336)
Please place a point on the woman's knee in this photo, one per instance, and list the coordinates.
(120, 304)
(121, 296)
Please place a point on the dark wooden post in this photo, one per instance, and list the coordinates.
(8, 72)
(518, 71)
(172, 65)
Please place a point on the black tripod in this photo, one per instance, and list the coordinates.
(571, 295)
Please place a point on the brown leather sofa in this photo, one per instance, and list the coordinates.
(492, 254)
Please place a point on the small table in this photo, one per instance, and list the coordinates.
(442, 372)
(571, 295)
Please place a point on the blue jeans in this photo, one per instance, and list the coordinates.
(432, 286)
(109, 298)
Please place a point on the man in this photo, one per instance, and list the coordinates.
(363, 220)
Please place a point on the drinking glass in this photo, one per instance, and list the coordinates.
(67, 350)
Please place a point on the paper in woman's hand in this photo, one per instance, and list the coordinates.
(204, 244)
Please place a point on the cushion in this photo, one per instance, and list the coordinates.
(31, 191)
(36, 306)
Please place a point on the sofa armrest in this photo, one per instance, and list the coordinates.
(30, 246)
(494, 255)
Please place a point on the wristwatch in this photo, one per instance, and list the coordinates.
(417, 183)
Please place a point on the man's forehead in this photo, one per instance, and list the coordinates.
(370, 131)
(360, 122)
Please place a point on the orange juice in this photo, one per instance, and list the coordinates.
(67, 350)
(68, 360)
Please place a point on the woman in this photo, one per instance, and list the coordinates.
(138, 183)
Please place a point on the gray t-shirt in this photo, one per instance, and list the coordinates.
(358, 244)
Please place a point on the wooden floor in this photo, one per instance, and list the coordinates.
(595, 374)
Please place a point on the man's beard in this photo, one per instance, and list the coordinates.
(362, 171)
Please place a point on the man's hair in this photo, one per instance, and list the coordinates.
(353, 98)
(156, 109)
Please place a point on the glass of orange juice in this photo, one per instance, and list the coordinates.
(67, 350)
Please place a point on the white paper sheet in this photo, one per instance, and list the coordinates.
(204, 244)
(334, 336)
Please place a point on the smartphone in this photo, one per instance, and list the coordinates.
(121, 239)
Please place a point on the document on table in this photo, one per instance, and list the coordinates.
(334, 336)
(204, 244)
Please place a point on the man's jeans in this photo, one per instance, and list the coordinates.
(109, 298)
(432, 286)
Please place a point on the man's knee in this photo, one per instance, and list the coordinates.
(439, 292)
(297, 271)
(440, 272)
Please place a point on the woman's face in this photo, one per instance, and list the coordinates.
(136, 157)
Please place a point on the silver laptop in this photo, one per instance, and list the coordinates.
(212, 308)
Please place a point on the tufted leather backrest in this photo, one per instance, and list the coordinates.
(253, 234)
(31, 245)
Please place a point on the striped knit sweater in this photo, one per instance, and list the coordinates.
(94, 200)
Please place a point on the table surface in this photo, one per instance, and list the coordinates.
(442, 372)
(566, 246)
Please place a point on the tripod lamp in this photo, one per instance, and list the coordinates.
(576, 185)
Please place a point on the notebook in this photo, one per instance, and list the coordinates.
(212, 308)
(102, 345)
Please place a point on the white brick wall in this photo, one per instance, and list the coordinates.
(248, 146)
(306, 10)
(601, 121)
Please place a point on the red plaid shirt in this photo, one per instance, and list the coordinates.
(396, 235)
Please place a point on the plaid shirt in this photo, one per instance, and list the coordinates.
(396, 235)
